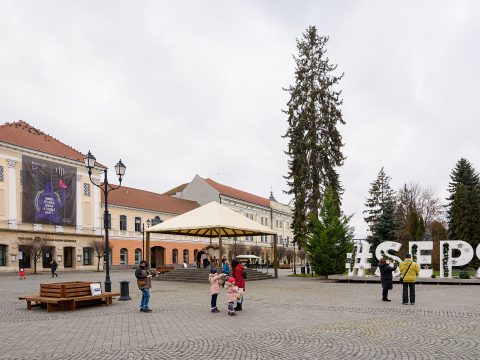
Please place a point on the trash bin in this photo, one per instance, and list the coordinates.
(124, 293)
(308, 269)
(302, 270)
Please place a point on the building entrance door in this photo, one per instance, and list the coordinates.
(47, 256)
(157, 257)
(67, 257)
(24, 262)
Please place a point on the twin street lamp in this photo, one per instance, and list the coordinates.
(106, 188)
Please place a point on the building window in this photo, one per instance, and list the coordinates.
(138, 256)
(174, 256)
(185, 256)
(86, 189)
(123, 256)
(1, 174)
(123, 223)
(3, 254)
(109, 221)
(156, 220)
(138, 224)
(87, 256)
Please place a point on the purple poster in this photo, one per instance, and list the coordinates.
(49, 192)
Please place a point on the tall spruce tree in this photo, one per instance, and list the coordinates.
(380, 213)
(314, 146)
(380, 194)
(464, 203)
(330, 239)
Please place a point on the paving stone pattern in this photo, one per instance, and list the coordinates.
(282, 319)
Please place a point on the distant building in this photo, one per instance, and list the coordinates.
(265, 211)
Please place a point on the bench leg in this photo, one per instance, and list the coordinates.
(49, 307)
(29, 305)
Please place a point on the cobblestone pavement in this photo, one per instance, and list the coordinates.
(282, 319)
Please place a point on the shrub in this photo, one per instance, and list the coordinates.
(464, 275)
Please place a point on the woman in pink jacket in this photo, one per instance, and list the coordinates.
(214, 279)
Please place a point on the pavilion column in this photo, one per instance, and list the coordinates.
(147, 247)
(275, 256)
(220, 252)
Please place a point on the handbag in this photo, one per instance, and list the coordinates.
(401, 277)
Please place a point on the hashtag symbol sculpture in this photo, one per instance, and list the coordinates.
(360, 257)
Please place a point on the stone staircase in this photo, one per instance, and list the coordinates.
(194, 275)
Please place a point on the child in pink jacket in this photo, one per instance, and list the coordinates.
(214, 279)
(233, 294)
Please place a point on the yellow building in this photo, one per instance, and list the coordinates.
(46, 196)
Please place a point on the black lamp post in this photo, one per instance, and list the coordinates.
(143, 237)
(294, 260)
(106, 188)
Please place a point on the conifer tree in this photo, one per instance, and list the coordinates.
(330, 239)
(380, 194)
(464, 203)
(314, 142)
(380, 213)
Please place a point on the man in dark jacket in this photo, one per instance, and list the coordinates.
(144, 282)
(386, 276)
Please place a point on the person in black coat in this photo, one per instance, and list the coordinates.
(386, 275)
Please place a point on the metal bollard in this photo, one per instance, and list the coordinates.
(124, 292)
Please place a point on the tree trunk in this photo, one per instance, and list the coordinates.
(98, 264)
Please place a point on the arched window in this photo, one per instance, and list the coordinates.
(185, 256)
(138, 256)
(138, 224)
(123, 256)
(175, 256)
(156, 220)
(123, 222)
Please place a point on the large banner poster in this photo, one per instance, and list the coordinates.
(49, 192)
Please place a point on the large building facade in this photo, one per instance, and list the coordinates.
(267, 212)
(46, 197)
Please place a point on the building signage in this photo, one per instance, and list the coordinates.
(359, 260)
(49, 192)
(47, 239)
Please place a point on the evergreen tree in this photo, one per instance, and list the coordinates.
(412, 224)
(464, 203)
(380, 213)
(331, 238)
(384, 229)
(314, 147)
(380, 194)
(421, 231)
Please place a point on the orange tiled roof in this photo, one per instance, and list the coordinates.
(141, 199)
(238, 194)
(22, 134)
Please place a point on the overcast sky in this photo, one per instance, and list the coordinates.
(181, 88)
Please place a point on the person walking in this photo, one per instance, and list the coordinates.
(386, 277)
(53, 268)
(238, 273)
(214, 279)
(144, 282)
(409, 271)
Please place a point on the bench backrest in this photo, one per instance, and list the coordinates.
(66, 289)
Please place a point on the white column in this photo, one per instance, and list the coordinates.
(79, 228)
(12, 194)
(96, 210)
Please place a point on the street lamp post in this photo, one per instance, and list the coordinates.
(294, 260)
(143, 237)
(106, 188)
